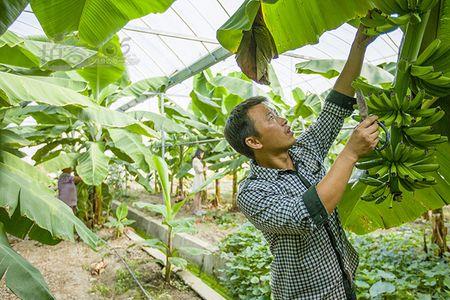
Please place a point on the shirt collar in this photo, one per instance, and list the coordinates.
(259, 172)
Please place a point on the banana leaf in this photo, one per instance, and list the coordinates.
(362, 217)
(330, 68)
(260, 30)
(131, 144)
(9, 11)
(107, 67)
(92, 166)
(29, 208)
(96, 21)
(24, 280)
(27, 53)
(159, 122)
(60, 161)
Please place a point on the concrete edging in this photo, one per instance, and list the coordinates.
(196, 284)
(209, 263)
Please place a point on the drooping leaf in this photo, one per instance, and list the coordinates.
(93, 164)
(95, 20)
(132, 145)
(257, 48)
(21, 167)
(15, 89)
(30, 208)
(21, 277)
(362, 217)
(287, 25)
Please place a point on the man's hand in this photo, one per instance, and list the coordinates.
(352, 68)
(363, 139)
(361, 40)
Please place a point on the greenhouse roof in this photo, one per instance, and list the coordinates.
(164, 44)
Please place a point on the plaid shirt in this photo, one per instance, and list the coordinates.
(284, 205)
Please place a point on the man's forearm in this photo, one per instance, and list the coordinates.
(351, 71)
(332, 187)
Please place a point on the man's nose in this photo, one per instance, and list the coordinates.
(282, 121)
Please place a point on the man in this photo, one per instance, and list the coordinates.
(288, 196)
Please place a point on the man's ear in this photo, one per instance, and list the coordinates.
(253, 143)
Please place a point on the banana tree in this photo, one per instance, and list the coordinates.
(257, 33)
(28, 208)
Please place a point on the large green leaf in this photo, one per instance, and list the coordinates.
(362, 217)
(21, 167)
(29, 208)
(11, 139)
(26, 53)
(443, 32)
(21, 277)
(132, 145)
(330, 68)
(93, 164)
(76, 85)
(95, 20)
(163, 176)
(15, 89)
(61, 161)
(9, 11)
(159, 122)
(112, 118)
(152, 84)
(288, 24)
(107, 67)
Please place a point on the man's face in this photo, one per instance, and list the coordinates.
(274, 132)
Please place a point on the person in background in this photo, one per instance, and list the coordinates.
(67, 191)
(199, 179)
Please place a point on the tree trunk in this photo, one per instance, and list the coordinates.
(439, 236)
(218, 196)
(168, 255)
(234, 193)
(156, 182)
(180, 191)
(98, 205)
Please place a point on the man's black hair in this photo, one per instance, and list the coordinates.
(239, 126)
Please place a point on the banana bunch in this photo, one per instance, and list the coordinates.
(431, 71)
(391, 171)
(409, 114)
(376, 22)
(389, 108)
(402, 7)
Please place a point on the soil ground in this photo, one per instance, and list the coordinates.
(69, 270)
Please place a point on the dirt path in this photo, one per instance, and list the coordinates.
(67, 269)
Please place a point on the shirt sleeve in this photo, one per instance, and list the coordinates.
(321, 135)
(272, 212)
